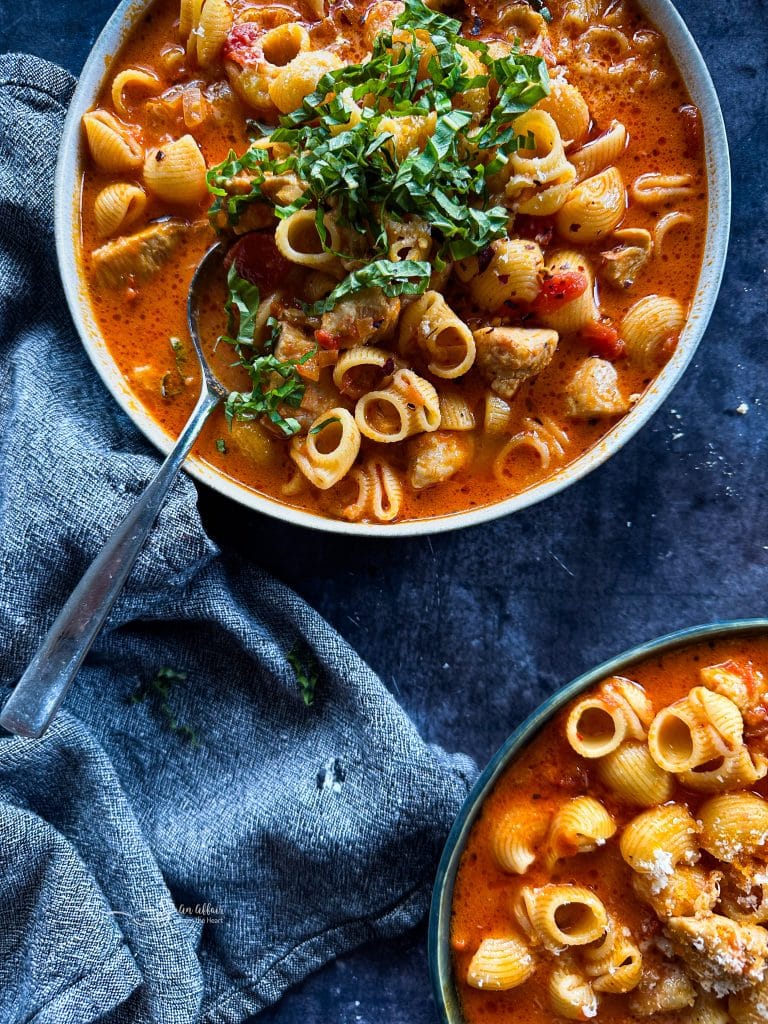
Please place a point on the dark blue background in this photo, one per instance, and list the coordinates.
(472, 629)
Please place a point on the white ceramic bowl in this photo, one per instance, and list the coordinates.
(67, 192)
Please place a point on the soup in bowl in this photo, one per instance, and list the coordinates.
(468, 251)
(612, 861)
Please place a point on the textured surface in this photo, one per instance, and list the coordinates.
(472, 629)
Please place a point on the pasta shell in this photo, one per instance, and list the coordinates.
(117, 207)
(679, 739)
(601, 152)
(579, 826)
(300, 77)
(631, 773)
(749, 1006)
(455, 412)
(567, 915)
(112, 146)
(582, 310)
(595, 727)
(570, 994)
(497, 415)
(720, 712)
(177, 172)
(215, 22)
(652, 321)
(655, 842)
(328, 451)
(131, 78)
(593, 208)
(515, 838)
(566, 105)
(500, 964)
(734, 825)
(619, 970)
(736, 771)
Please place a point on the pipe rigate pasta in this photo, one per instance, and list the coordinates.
(630, 773)
(601, 152)
(580, 825)
(571, 995)
(445, 339)
(513, 274)
(569, 110)
(500, 964)
(131, 78)
(598, 724)
(408, 405)
(565, 915)
(618, 968)
(663, 988)
(593, 208)
(732, 771)
(656, 841)
(517, 836)
(581, 310)
(656, 190)
(176, 173)
(299, 78)
(377, 493)
(113, 148)
(706, 1010)
(648, 325)
(383, 212)
(213, 28)
(455, 412)
(734, 825)
(117, 207)
(749, 1006)
(328, 451)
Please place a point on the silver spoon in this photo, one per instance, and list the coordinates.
(38, 695)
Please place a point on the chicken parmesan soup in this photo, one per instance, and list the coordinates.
(619, 869)
(461, 240)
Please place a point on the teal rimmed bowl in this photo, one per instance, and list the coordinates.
(440, 962)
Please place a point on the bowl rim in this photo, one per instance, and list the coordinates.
(440, 965)
(67, 234)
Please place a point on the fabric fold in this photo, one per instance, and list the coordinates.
(190, 838)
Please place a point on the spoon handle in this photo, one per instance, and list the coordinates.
(40, 691)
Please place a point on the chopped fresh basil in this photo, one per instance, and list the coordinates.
(221, 446)
(342, 152)
(268, 395)
(326, 423)
(409, 277)
(157, 692)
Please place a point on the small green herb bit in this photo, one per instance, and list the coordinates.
(221, 446)
(306, 675)
(158, 692)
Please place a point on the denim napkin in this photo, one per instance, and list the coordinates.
(179, 847)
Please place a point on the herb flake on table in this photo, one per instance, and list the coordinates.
(157, 694)
(307, 674)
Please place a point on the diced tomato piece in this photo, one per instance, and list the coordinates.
(558, 290)
(257, 260)
(243, 44)
(325, 339)
(603, 340)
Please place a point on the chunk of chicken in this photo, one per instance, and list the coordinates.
(362, 319)
(506, 356)
(436, 457)
(722, 954)
(688, 891)
(139, 255)
(594, 391)
(622, 265)
(664, 987)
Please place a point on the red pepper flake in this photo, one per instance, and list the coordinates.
(325, 339)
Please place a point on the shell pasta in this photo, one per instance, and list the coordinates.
(447, 275)
(626, 888)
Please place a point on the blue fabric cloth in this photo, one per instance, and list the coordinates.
(189, 853)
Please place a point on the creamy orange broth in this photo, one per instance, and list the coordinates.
(138, 320)
(546, 774)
